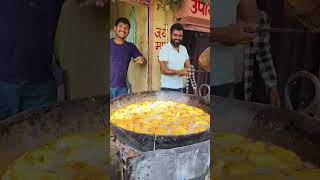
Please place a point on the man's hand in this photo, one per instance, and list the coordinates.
(165, 70)
(139, 60)
(99, 3)
(274, 97)
(239, 33)
(184, 72)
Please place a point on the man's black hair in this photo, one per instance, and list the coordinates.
(177, 27)
(122, 20)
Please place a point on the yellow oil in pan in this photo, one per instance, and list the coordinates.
(161, 118)
(77, 157)
(234, 157)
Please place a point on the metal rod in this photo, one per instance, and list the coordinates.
(289, 30)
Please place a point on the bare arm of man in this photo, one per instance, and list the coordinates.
(163, 60)
(165, 70)
(235, 33)
(187, 64)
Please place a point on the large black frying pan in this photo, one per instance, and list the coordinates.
(31, 129)
(147, 142)
(290, 130)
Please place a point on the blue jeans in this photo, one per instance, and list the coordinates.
(169, 89)
(225, 90)
(116, 92)
(15, 97)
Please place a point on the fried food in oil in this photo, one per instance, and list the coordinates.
(78, 157)
(161, 118)
(235, 157)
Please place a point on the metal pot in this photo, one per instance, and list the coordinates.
(290, 130)
(308, 106)
(31, 129)
(147, 142)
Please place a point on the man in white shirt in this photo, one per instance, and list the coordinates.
(174, 61)
(229, 20)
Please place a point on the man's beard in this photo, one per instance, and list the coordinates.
(176, 44)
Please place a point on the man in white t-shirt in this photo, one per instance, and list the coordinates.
(229, 20)
(174, 61)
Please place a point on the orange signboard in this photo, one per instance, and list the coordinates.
(194, 14)
(198, 9)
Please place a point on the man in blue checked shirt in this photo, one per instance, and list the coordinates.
(258, 52)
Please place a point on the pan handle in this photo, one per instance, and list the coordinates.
(206, 96)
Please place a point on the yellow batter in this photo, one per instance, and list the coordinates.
(78, 157)
(161, 118)
(234, 157)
